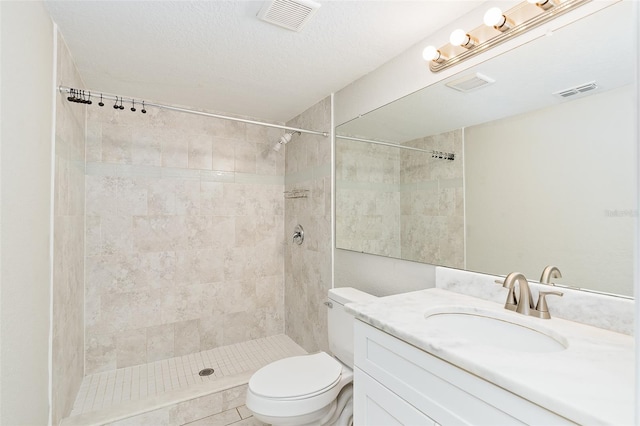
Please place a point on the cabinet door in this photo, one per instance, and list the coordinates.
(375, 405)
(446, 393)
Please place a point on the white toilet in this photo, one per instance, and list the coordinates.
(311, 389)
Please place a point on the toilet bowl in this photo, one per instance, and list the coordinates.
(311, 389)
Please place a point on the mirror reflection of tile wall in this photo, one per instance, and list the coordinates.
(432, 201)
(368, 198)
(402, 203)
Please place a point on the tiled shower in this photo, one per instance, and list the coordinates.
(184, 236)
(173, 234)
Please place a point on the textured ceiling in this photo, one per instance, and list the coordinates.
(217, 55)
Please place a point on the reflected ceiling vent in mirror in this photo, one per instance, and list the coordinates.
(290, 14)
(577, 90)
(470, 82)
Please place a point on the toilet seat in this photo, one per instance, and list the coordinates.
(315, 380)
(298, 377)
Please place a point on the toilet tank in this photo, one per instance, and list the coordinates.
(340, 323)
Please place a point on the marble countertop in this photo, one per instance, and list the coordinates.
(590, 382)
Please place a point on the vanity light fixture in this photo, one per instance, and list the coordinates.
(499, 27)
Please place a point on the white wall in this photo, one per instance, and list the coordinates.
(25, 178)
(557, 190)
(379, 275)
(636, 274)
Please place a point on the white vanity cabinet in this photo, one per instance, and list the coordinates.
(398, 384)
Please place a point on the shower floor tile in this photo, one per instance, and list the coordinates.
(103, 390)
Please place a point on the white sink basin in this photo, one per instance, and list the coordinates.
(494, 329)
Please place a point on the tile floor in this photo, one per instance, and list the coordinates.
(103, 390)
(240, 416)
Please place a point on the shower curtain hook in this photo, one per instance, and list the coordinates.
(115, 106)
(121, 107)
(144, 111)
(101, 103)
(133, 105)
(89, 102)
(70, 98)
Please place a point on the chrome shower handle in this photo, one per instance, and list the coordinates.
(298, 235)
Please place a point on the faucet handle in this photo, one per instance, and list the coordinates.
(549, 272)
(542, 307)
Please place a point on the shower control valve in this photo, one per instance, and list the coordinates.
(298, 235)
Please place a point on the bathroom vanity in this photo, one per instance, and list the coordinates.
(437, 357)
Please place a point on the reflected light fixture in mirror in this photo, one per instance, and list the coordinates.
(498, 27)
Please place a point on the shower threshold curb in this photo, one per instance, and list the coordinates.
(134, 408)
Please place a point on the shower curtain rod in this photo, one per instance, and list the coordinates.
(395, 145)
(434, 154)
(95, 95)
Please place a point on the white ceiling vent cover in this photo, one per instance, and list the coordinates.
(289, 14)
(470, 82)
(572, 91)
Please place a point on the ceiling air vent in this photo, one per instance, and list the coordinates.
(289, 14)
(470, 82)
(572, 91)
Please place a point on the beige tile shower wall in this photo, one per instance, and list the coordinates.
(184, 235)
(68, 241)
(308, 266)
(432, 201)
(368, 198)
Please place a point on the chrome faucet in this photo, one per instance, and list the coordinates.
(548, 273)
(523, 303)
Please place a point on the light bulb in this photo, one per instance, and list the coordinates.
(458, 37)
(494, 17)
(430, 53)
(461, 38)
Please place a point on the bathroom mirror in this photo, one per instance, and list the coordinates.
(537, 166)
